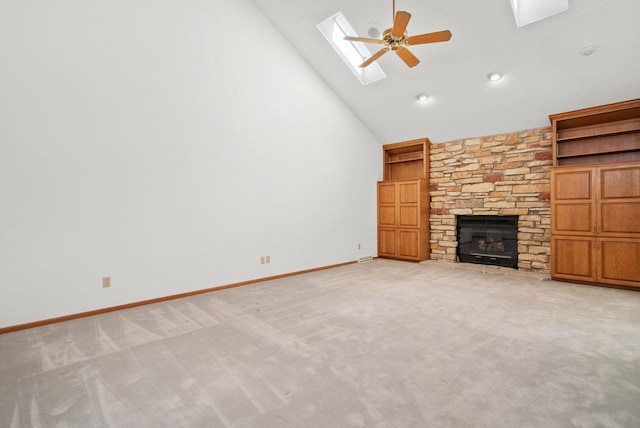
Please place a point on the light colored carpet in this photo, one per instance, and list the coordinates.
(380, 344)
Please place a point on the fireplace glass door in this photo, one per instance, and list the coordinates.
(490, 240)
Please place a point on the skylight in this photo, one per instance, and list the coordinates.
(334, 29)
(529, 11)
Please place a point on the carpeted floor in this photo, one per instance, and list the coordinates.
(379, 344)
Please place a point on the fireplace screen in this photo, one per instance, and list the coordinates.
(490, 240)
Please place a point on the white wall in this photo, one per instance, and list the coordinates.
(168, 144)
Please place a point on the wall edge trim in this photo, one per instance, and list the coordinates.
(40, 323)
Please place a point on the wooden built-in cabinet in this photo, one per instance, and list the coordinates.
(406, 161)
(595, 203)
(403, 201)
(403, 219)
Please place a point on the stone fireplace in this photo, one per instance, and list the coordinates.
(499, 175)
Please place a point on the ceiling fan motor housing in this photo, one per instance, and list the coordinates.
(393, 42)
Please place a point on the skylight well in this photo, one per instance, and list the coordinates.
(529, 11)
(334, 29)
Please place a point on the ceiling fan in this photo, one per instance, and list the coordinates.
(396, 39)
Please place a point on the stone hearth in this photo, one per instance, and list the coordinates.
(507, 174)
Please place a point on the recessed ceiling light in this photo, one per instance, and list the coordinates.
(423, 98)
(587, 50)
(494, 77)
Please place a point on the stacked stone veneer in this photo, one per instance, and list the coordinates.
(506, 174)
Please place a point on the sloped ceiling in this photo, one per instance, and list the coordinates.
(544, 70)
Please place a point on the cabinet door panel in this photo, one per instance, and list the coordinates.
(409, 244)
(386, 193)
(573, 218)
(571, 185)
(620, 183)
(573, 257)
(408, 216)
(387, 242)
(619, 218)
(619, 261)
(408, 193)
(387, 215)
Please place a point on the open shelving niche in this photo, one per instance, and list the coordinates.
(406, 161)
(609, 133)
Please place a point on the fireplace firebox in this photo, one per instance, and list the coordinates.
(488, 239)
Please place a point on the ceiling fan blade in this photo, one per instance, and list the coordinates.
(364, 40)
(439, 36)
(406, 55)
(374, 57)
(400, 24)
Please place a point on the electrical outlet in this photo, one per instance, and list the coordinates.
(106, 282)
(268, 259)
(358, 246)
(262, 260)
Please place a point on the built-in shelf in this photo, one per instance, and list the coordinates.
(407, 158)
(406, 161)
(614, 128)
(597, 152)
(609, 133)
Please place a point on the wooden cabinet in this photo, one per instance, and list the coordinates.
(595, 195)
(403, 219)
(595, 223)
(403, 201)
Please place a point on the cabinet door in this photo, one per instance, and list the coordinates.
(574, 258)
(409, 244)
(409, 204)
(573, 201)
(403, 219)
(619, 261)
(387, 242)
(387, 204)
(619, 208)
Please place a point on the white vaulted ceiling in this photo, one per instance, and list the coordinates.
(544, 71)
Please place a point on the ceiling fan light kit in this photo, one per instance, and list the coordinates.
(397, 40)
